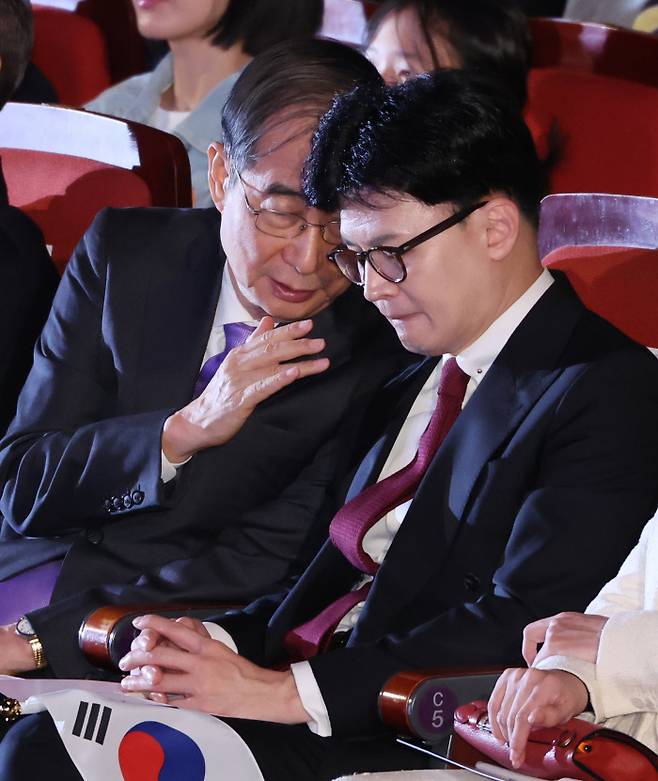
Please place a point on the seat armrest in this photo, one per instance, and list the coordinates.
(422, 703)
(106, 634)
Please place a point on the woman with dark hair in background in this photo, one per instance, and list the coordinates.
(210, 42)
(409, 37)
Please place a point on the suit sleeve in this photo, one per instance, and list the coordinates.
(594, 487)
(65, 452)
(249, 558)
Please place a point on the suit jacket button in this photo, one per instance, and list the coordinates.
(138, 497)
(94, 536)
(471, 582)
(127, 501)
(117, 501)
(108, 505)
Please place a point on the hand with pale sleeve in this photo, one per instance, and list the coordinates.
(175, 661)
(250, 373)
(567, 634)
(524, 700)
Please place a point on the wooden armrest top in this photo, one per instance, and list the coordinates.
(397, 695)
(95, 633)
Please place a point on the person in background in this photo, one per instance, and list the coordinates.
(603, 661)
(409, 37)
(210, 41)
(27, 276)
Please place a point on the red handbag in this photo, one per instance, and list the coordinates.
(576, 749)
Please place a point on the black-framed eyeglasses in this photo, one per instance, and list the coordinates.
(387, 261)
(288, 225)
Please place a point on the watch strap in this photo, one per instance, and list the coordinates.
(38, 653)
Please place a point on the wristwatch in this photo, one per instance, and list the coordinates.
(24, 629)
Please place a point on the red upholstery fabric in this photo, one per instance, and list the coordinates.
(620, 284)
(62, 166)
(607, 126)
(77, 190)
(597, 48)
(72, 52)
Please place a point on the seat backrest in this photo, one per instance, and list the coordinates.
(607, 128)
(608, 247)
(595, 48)
(72, 52)
(63, 165)
(125, 46)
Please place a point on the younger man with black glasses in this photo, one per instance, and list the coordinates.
(516, 472)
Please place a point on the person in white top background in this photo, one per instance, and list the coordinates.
(603, 661)
(210, 41)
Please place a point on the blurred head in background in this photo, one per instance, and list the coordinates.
(15, 45)
(409, 37)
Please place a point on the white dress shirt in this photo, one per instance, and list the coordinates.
(229, 310)
(475, 361)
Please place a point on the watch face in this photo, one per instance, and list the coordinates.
(24, 627)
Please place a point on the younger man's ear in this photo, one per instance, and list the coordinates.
(218, 173)
(503, 223)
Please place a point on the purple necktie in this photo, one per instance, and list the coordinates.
(235, 334)
(27, 591)
(352, 522)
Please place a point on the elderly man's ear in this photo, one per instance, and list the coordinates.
(218, 173)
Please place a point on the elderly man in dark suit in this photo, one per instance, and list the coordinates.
(517, 469)
(129, 474)
(27, 276)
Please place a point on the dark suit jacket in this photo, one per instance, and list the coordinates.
(27, 284)
(532, 502)
(120, 352)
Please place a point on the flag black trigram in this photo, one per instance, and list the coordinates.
(87, 721)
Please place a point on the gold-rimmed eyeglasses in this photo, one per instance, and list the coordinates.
(288, 225)
(387, 261)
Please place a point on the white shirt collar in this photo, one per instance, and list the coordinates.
(229, 307)
(476, 359)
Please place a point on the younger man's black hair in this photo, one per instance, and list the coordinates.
(491, 36)
(259, 24)
(295, 79)
(15, 45)
(445, 137)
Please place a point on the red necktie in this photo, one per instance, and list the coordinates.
(352, 522)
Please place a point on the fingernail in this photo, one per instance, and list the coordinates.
(123, 665)
(304, 323)
(138, 621)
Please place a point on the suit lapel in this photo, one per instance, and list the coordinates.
(393, 404)
(525, 368)
(182, 300)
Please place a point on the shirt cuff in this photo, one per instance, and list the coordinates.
(167, 469)
(218, 632)
(312, 700)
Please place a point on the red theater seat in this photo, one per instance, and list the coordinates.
(608, 247)
(62, 166)
(125, 46)
(72, 52)
(597, 48)
(607, 127)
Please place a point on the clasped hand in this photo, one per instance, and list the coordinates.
(250, 373)
(177, 661)
(527, 699)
